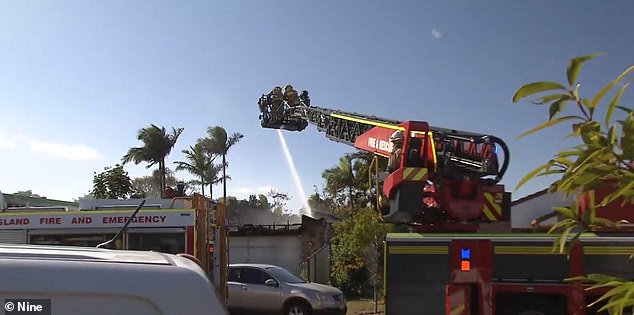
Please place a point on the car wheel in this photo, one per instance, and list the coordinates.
(297, 308)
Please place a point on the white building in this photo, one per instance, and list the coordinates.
(535, 211)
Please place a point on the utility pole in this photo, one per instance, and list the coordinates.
(221, 215)
(224, 231)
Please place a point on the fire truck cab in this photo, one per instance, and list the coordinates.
(497, 274)
(173, 226)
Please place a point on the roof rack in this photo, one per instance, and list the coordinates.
(37, 209)
(125, 207)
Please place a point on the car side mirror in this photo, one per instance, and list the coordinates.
(271, 283)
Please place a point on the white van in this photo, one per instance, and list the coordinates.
(78, 280)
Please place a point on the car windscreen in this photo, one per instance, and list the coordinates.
(284, 275)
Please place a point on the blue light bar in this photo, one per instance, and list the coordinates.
(465, 253)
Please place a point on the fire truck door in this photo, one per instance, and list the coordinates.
(458, 299)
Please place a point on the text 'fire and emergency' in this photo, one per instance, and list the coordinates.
(96, 219)
(84, 220)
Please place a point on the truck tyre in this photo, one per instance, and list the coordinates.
(297, 308)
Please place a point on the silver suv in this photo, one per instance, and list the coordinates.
(261, 288)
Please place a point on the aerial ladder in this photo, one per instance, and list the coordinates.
(459, 170)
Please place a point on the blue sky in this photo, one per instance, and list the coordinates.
(78, 79)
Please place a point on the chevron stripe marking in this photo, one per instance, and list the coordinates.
(458, 310)
(487, 212)
(491, 207)
(414, 174)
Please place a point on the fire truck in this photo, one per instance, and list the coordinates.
(460, 257)
(181, 225)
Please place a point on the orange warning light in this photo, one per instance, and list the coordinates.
(465, 265)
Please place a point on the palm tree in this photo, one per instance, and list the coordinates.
(157, 145)
(213, 176)
(217, 143)
(197, 163)
(348, 181)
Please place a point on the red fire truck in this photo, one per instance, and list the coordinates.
(461, 257)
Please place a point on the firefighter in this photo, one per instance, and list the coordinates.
(263, 102)
(277, 99)
(397, 138)
(290, 96)
(305, 98)
(169, 193)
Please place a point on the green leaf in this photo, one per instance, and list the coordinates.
(618, 302)
(590, 132)
(614, 103)
(614, 291)
(574, 67)
(585, 102)
(552, 172)
(563, 224)
(600, 278)
(531, 174)
(548, 124)
(550, 98)
(612, 135)
(557, 107)
(604, 222)
(563, 161)
(570, 153)
(575, 92)
(563, 237)
(581, 166)
(566, 212)
(615, 195)
(577, 278)
(597, 98)
(567, 182)
(536, 87)
(585, 178)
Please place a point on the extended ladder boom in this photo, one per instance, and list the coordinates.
(461, 153)
(445, 180)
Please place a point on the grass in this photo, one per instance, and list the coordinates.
(357, 307)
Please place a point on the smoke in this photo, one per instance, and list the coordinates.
(263, 217)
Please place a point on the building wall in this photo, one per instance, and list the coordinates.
(283, 251)
(525, 210)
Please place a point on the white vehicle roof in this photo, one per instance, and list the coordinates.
(101, 281)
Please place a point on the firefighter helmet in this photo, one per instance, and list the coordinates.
(397, 136)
